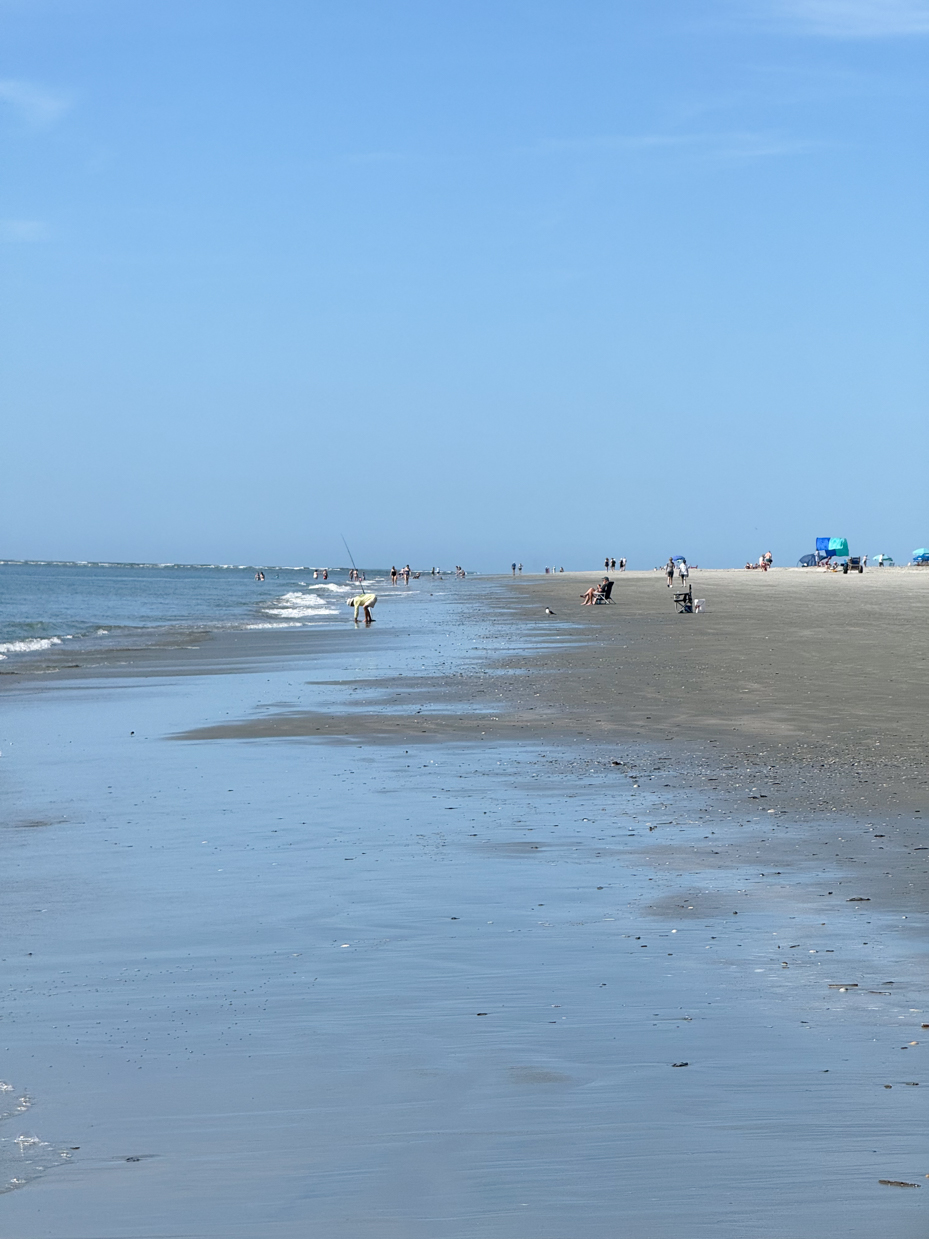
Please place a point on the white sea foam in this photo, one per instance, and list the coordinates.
(28, 646)
(283, 624)
(297, 605)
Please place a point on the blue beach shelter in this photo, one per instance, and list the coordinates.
(921, 556)
(832, 546)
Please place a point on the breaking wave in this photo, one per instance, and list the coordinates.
(297, 605)
(27, 647)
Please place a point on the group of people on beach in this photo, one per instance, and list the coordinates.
(405, 573)
(679, 566)
(764, 562)
(610, 565)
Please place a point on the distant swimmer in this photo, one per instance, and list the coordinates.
(363, 602)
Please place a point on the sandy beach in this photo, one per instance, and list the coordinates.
(824, 674)
(478, 922)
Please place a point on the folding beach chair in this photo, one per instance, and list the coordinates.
(684, 601)
(606, 590)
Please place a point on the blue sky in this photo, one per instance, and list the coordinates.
(469, 282)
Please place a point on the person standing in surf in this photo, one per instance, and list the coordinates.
(363, 602)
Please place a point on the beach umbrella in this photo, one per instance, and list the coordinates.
(921, 555)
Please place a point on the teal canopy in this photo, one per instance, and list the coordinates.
(832, 546)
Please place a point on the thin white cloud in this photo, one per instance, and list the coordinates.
(858, 19)
(37, 105)
(702, 145)
(13, 231)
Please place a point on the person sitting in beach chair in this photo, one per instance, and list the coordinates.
(595, 593)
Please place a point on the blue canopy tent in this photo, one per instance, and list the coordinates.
(921, 556)
(827, 547)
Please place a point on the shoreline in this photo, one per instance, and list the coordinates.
(246, 958)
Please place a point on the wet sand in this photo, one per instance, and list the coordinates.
(396, 935)
(823, 675)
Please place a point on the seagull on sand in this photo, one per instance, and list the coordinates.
(549, 611)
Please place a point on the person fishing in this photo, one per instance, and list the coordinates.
(363, 602)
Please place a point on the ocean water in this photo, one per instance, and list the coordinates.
(45, 605)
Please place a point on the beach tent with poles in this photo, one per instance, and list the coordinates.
(832, 546)
(921, 556)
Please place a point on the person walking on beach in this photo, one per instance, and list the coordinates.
(622, 565)
(393, 574)
(363, 602)
(684, 571)
(669, 572)
(519, 567)
(606, 563)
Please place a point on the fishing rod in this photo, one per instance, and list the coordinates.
(351, 557)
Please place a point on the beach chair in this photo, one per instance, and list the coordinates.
(684, 601)
(604, 595)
